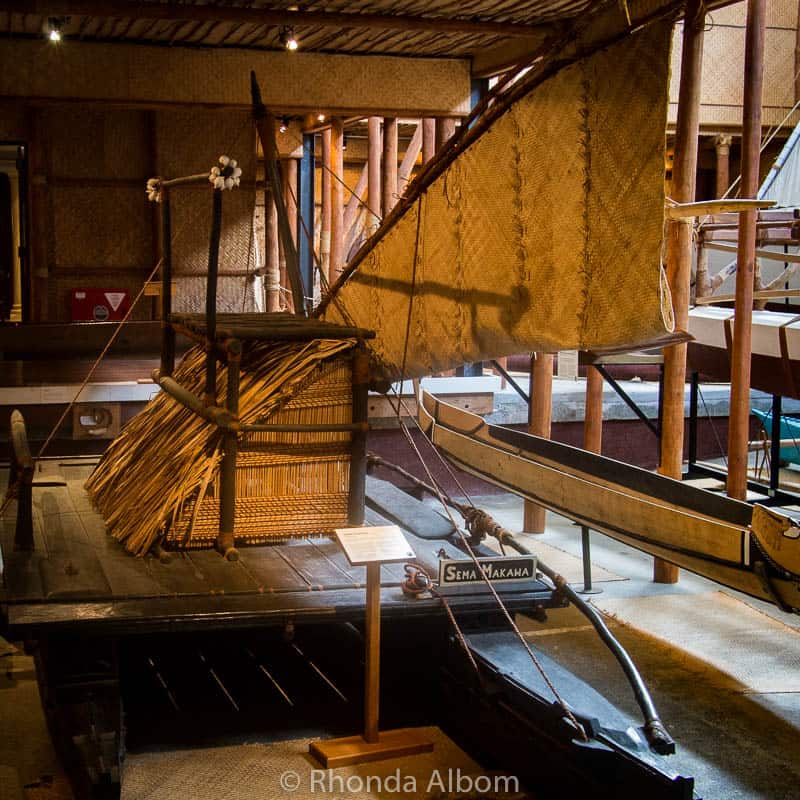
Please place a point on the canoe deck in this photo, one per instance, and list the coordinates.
(78, 575)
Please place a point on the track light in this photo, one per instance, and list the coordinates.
(54, 25)
(287, 38)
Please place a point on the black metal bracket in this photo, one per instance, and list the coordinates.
(655, 429)
(514, 385)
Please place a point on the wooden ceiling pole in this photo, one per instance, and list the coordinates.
(389, 164)
(374, 174)
(679, 253)
(739, 418)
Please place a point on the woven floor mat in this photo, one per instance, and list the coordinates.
(285, 769)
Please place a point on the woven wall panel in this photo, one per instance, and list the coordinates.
(95, 143)
(188, 143)
(101, 227)
(545, 234)
(235, 294)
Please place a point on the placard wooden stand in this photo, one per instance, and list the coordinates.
(371, 547)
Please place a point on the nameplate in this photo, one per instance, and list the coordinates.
(517, 570)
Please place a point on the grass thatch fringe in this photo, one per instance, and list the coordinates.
(163, 456)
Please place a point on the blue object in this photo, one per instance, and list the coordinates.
(790, 429)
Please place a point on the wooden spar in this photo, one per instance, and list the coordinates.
(554, 60)
(167, 331)
(230, 447)
(702, 208)
(428, 139)
(539, 415)
(722, 146)
(389, 164)
(769, 255)
(326, 216)
(445, 128)
(275, 280)
(764, 294)
(290, 200)
(374, 174)
(679, 254)
(593, 416)
(337, 197)
(409, 160)
(739, 419)
(211, 299)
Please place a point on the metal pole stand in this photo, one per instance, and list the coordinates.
(587, 564)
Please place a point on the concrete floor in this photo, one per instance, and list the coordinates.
(724, 671)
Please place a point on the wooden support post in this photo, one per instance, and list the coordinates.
(230, 447)
(593, 415)
(722, 145)
(211, 298)
(428, 139)
(389, 164)
(374, 174)
(358, 446)
(539, 416)
(445, 128)
(325, 215)
(290, 188)
(337, 198)
(353, 206)
(372, 673)
(739, 419)
(679, 254)
(167, 331)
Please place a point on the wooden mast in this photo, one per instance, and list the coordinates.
(679, 254)
(539, 416)
(739, 419)
(325, 213)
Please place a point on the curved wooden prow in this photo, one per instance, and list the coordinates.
(21, 482)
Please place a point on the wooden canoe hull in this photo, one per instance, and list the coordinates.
(718, 543)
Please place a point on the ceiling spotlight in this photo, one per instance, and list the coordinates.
(54, 25)
(287, 38)
(320, 118)
(284, 124)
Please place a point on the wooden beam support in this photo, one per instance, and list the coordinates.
(445, 128)
(389, 164)
(337, 198)
(539, 417)
(428, 139)
(593, 415)
(722, 147)
(374, 173)
(119, 9)
(739, 419)
(679, 254)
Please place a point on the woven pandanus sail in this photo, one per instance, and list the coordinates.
(544, 233)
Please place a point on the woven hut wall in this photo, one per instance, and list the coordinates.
(188, 143)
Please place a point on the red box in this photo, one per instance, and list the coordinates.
(99, 305)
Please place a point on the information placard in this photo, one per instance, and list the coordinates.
(377, 544)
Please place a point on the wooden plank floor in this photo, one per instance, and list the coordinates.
(76, 564)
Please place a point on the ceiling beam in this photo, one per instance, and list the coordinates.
(260, 16)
